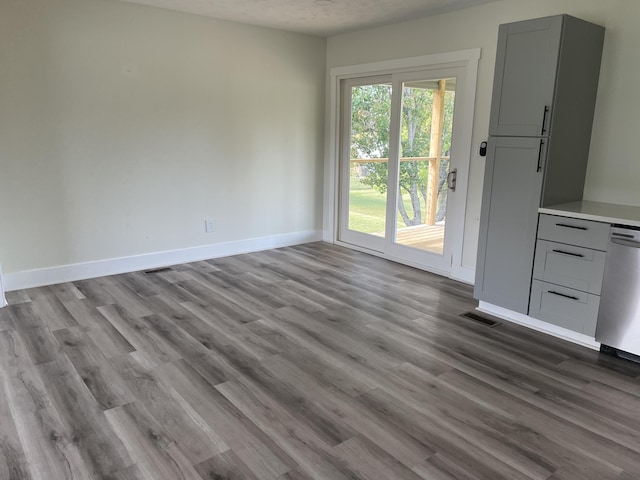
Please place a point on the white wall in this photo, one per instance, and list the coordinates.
(614, 168)
(123, 127)
(3, 300)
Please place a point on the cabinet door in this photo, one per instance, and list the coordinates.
(509, 219)
(525, 74)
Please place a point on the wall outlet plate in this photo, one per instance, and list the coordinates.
(209, 225)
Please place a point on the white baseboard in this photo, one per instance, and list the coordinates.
(463, 274)
(114, 266)
(539, 325)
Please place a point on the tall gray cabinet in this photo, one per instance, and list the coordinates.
(544, 92)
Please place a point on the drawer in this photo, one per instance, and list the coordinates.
(574, 267)
(565, 307)
(573, 231)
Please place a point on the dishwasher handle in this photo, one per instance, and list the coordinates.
(625, 242)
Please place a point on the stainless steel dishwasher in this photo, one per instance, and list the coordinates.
(619, 314)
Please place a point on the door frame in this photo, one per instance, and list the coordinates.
(468, 60)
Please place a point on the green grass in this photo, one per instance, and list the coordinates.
(367, 209)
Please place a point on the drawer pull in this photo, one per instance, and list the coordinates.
(570, 297)
(562, 252)
(575, 227)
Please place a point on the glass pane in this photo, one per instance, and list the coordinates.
(369, 152)
(427, 121)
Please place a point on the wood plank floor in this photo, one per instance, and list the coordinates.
(307, 362)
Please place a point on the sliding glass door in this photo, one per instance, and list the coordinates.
(425, 144)
(397, 165)
(365, 150)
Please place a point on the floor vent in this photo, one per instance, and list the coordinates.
(158, 270)
(479, 318)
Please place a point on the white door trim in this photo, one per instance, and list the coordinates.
(462, 58)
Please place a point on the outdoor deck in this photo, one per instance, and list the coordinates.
(424, 237)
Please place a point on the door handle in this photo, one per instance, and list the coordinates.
(452, 178)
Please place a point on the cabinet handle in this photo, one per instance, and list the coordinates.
(544, 119)
(562, 252)
(540, 156)
(575, 227)
(570, 297)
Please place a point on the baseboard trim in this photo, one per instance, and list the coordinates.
(464, 275)
(538, 325)
(81, 271)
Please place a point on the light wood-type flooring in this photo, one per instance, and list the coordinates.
(307, 362)
(423, 237)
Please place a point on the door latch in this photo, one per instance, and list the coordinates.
(452, 178)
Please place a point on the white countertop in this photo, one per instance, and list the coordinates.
(596, 211)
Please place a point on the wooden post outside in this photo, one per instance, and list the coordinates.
(435, 151)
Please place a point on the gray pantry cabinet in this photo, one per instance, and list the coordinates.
(544, 93)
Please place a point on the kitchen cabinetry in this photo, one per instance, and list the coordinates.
(507, 232)
(568, 272)
(545, 86)
(527, 61)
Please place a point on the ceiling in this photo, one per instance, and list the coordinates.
(315, 17)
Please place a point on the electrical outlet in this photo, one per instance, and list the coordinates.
(209, 225)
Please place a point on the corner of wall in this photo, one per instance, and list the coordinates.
(3, 300)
